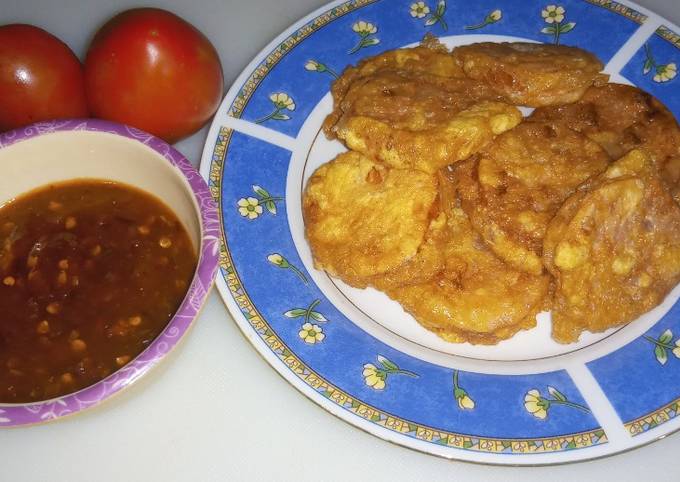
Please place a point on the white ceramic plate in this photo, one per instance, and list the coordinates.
(527, 400)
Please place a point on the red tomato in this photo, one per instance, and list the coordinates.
(40, 78)
(149, 68)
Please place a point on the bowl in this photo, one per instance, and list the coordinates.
(62, 150)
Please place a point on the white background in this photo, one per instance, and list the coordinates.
(214, 410)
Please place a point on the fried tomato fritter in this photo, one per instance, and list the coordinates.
(427, 263)
(367, 88)
(520, 181)
(430, 150)
(430, 57)
(476, 297)
(613, 248)
(620, 118)
(405, 99)
(530, 74)
(363, 218)
(474, 219)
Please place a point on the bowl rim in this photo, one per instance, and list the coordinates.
(18, 414)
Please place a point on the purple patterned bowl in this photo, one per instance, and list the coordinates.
(66, 149)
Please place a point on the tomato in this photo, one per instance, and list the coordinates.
(150, 69)
(40, 78)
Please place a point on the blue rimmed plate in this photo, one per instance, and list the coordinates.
(527, 400)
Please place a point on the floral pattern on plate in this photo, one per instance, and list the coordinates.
(356, 29)
(451, 406)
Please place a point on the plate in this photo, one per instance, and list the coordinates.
(526, 401)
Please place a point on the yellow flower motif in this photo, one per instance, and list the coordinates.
(491, 18)
(676, 350)
(424, 433)
(456, 440)
(282, 101)
(551, 445)
(376, 377)
(533, 402)
(664, 73)
(461, 395)
(316, 66)
(276, 259)
(419, 10)
(364, 28)
(635, 428)
(373, 376)
(486, 445)
(520, 447)
(661, 417)
(311, 333)
(312, 65)
(582, 440)
(249, 207)
(552, 14)
(466, 403)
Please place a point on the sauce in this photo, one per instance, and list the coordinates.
(90, 273)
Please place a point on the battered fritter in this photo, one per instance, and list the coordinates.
(530, 74)
(613, 248)
(407, 99)
(465, 248)
(620, 118)
(427, 263)
(390, 83)
(520, 181)
(466, 133)
(363, 218)
(476, 297)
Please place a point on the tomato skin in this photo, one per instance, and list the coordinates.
(40, 78)
(148, 68)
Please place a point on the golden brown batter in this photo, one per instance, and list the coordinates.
(519, 183)
(466, 133)
(474, 219)
(613, 248)
(529, 74)
(363, 218)
(620, 118)
(477, 297)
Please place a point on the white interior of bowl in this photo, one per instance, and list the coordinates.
(69, 155)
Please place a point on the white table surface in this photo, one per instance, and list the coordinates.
(215, 410)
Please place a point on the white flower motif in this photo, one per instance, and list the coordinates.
(364, 28)
(664, 73)
(552, 14)
(282, 101)
(311, 333)
(495, 16)
(419, 10)
(249, 207)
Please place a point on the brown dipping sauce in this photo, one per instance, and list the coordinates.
(90, 273)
